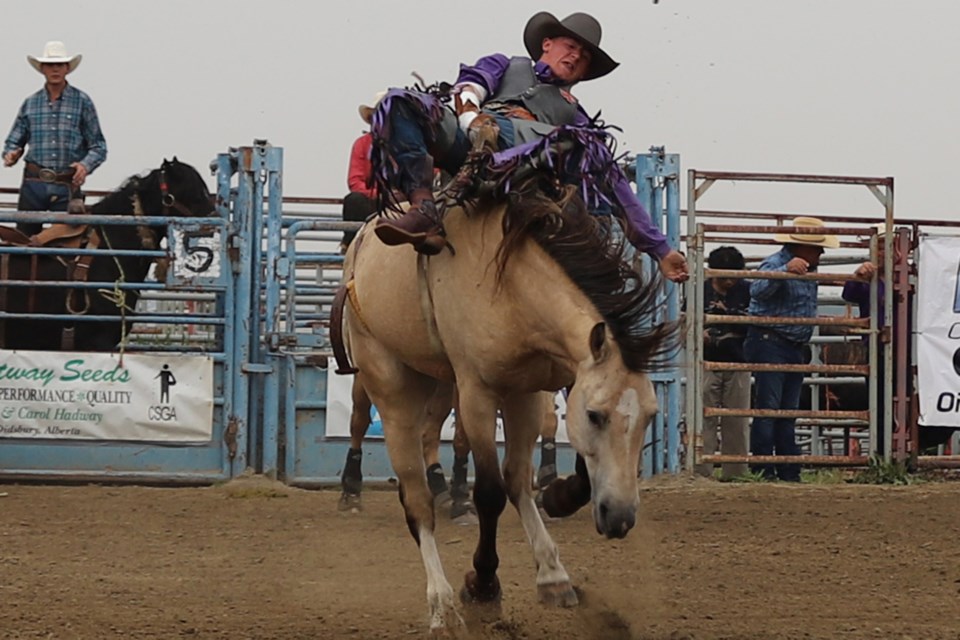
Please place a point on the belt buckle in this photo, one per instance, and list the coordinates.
(47, 175)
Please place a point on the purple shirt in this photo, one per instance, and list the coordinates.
(642, 233)
(489, 71)
(858, 292)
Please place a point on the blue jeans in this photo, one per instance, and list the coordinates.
(412, 140)
(42, 196)
(774, 390)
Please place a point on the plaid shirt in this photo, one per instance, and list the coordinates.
(59, 133)
(784, 298)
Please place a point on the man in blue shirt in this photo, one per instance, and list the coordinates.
(783, 343)
(59, 128)
(521, 100)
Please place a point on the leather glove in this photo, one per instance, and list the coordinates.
(483, 132)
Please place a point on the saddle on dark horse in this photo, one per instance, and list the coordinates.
(65, 236)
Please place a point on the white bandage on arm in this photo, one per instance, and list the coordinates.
(470, 97)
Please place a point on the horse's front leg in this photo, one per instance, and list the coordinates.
(477, 411)
(402, 413)
(522, 416)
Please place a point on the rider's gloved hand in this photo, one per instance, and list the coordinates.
(483, 132)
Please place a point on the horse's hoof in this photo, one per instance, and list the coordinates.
(442, 499)
(478, 613)
(545, 475)
(557, 594)
(463, 512)
(350, 502)
(454, 627)
(475, 593)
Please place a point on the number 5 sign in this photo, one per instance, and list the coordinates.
(198, 252)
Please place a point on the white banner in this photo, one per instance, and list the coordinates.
(339, 406)
(90, 396)
(938, 331)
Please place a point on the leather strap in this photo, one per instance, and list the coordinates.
(37, 173)
(336, 331)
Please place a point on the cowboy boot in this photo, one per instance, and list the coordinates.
(420, 223)
(412, 227)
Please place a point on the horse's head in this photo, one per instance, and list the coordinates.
(608, 410)
(174, 189)
(183, 191)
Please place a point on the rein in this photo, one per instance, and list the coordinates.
(118, 296)
(168, 200)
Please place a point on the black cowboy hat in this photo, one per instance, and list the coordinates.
(581, 27)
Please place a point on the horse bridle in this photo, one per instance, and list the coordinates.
(168, 200)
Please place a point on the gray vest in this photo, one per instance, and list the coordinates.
(519, 86)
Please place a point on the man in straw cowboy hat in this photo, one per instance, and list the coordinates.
(59, 128)
(783, 343)
(523, 100)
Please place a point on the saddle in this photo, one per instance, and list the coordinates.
(58, 235)
(65, 236)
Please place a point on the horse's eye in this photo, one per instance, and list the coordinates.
(597, 418)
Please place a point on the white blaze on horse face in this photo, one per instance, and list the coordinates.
(629, 407)
(613, 467)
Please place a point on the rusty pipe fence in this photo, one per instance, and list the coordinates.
(699, 234)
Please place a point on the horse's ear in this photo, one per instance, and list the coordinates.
(174, 160)
(598, 342)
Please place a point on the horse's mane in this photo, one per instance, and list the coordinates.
(120, 201)
(590, 254)
(141, 195)
(133, 197)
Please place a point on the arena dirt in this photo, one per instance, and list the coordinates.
(257, 560)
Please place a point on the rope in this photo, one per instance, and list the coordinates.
(117, 295)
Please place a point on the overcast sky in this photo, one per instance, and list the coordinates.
(850, 87)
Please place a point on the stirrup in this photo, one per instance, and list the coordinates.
(392, 235)
(431, 245)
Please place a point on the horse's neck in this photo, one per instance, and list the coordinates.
(560, 316)
(117, 202)
(134, 268)
(120, 203)
(551, 313)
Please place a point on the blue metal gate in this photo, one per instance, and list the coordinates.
(265, 322)
(207, 312)
(298, 349)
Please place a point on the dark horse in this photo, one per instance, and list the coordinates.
(174, 189)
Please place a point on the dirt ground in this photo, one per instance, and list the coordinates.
(254, 559)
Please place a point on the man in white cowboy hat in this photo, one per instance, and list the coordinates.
(783, 343)
(522, 99)
(59, 128)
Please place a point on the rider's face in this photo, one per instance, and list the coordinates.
(566, 57)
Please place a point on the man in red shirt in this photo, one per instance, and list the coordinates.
(361, 202)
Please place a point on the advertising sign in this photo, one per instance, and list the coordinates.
(93, 396)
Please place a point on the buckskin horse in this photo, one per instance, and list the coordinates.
(457, 496)
(536, 296)
(173, 189)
